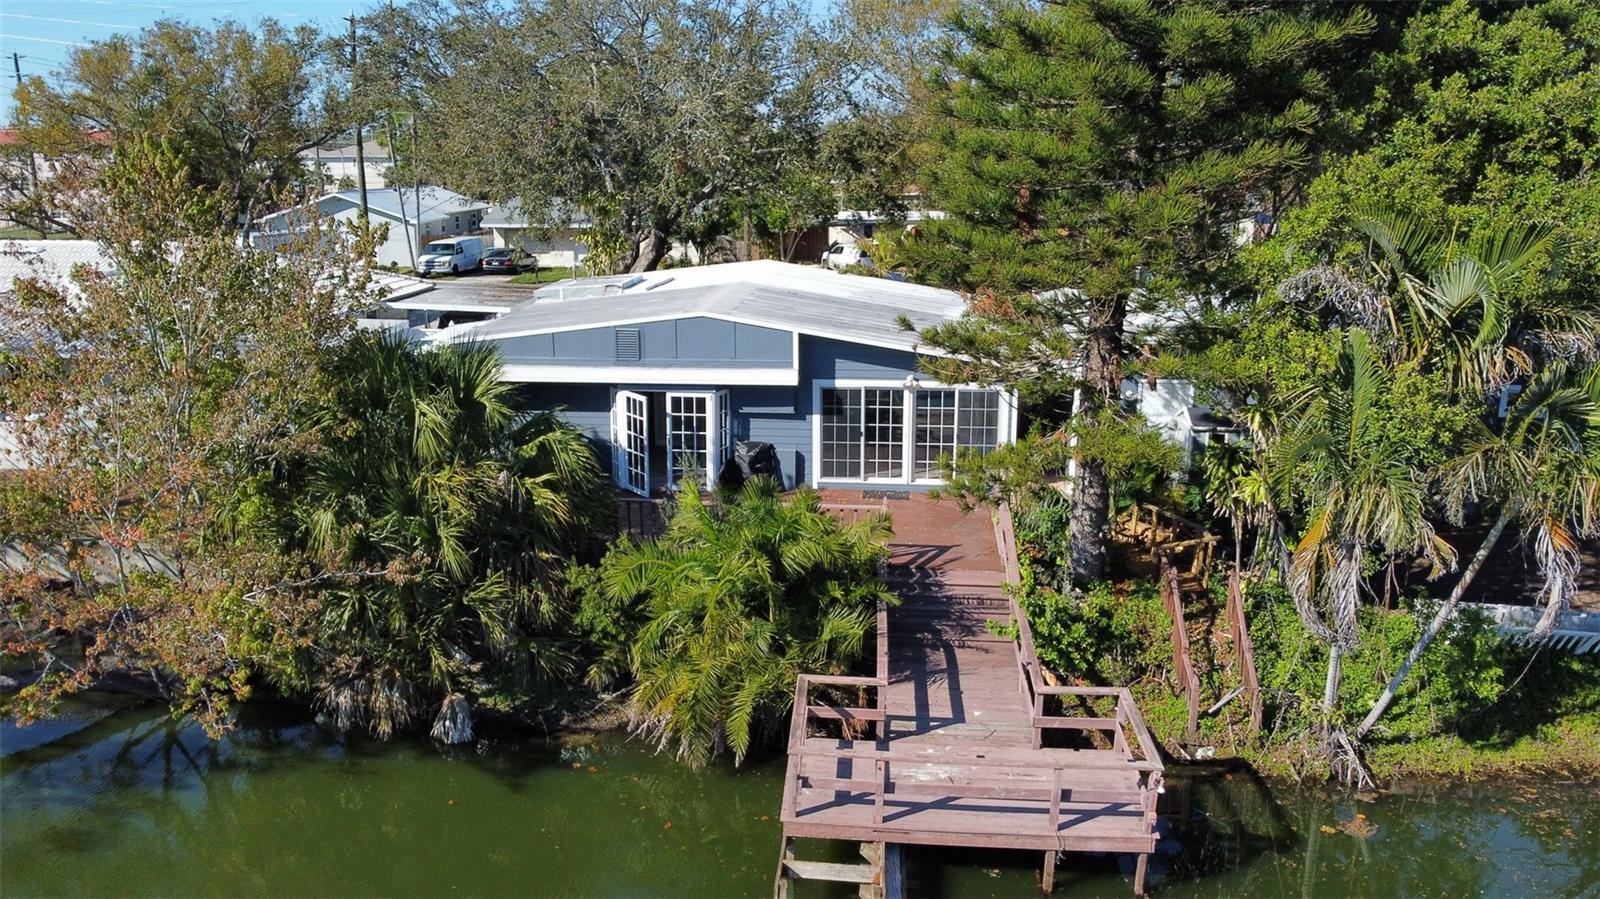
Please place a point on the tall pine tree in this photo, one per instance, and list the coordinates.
(1092, 156)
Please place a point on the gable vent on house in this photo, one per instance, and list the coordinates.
(627, 344)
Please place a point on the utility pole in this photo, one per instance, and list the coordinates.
(33, 170)
(405, 221)
(361, 156)
(416, 182)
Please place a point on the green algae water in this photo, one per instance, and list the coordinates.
(116, 801)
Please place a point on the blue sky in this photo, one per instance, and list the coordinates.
(44, 33)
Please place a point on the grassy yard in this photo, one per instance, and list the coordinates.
(544, 276)
(15, 233)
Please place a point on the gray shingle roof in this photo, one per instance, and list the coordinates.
(436, 202)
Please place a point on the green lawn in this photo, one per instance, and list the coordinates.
(543, 276)
(30, 234)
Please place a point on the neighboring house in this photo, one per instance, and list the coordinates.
(338, 166)
(1168, 405)
(556, 241)
(22, 170)
(668, 371)
(553, 244)
(443, 213)
(851, 226)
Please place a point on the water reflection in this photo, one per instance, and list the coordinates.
(139, 804)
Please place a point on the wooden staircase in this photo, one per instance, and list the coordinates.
(879, 876)
(1204, 637)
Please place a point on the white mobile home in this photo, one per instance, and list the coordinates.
(413, 217)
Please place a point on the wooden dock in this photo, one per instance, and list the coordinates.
(945, 744)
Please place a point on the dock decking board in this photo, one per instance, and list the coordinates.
(956, 762)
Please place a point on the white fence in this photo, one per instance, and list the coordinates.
(1575, 631)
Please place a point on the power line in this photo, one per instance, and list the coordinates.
(16, 15)
(41, 40)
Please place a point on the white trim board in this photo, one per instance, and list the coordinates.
(650, 375)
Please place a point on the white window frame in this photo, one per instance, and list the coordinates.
(1007, 425)
(621, 473)
(718, 424)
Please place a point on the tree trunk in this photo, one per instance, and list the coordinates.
(1330, 689)
(1091, 494)
(652, 250)
(1091, 515)
(1447, 610)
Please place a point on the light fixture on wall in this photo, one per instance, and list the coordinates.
(912, 383)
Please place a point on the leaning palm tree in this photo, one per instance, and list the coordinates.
(741, 594)
(1363, 493)
(1542, 466)
(443, 520)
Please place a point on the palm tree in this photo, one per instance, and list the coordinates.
(444, 519)
(1363, 492)
(1542, 465)
(743, 593)
(1475, 307)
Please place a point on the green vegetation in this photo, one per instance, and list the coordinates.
(719, 615)
(1366, 235)
(236, 103)
(1356, 268)
(1088, 182)
(439, 522)
(151, 407)
(544, 276)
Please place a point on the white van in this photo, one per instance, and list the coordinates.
(452, 255)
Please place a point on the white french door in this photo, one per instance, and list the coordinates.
(630, 442)
(699, 435)
(689, 437)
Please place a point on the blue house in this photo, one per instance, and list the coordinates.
(667, 371)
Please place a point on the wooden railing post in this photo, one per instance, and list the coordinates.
(1055, 800)
(883, 790)
(1244, 649)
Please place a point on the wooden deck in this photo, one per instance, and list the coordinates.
(943, 745)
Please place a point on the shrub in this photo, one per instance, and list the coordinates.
(742, 593)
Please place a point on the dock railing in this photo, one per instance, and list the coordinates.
(1130, 736)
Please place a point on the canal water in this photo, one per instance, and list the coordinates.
(126, 802)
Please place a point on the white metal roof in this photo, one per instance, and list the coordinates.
(52, 261)
(393, 202)
(47, 260)
(805, 299)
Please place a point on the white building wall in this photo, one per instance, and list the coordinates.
(561, 249)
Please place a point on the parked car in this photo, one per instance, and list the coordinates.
(844, 256)
(504, 261)
(452, 255)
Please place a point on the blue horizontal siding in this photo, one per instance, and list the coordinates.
(586, 407)
(677, 343)
(780, 416)
(829, 360)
